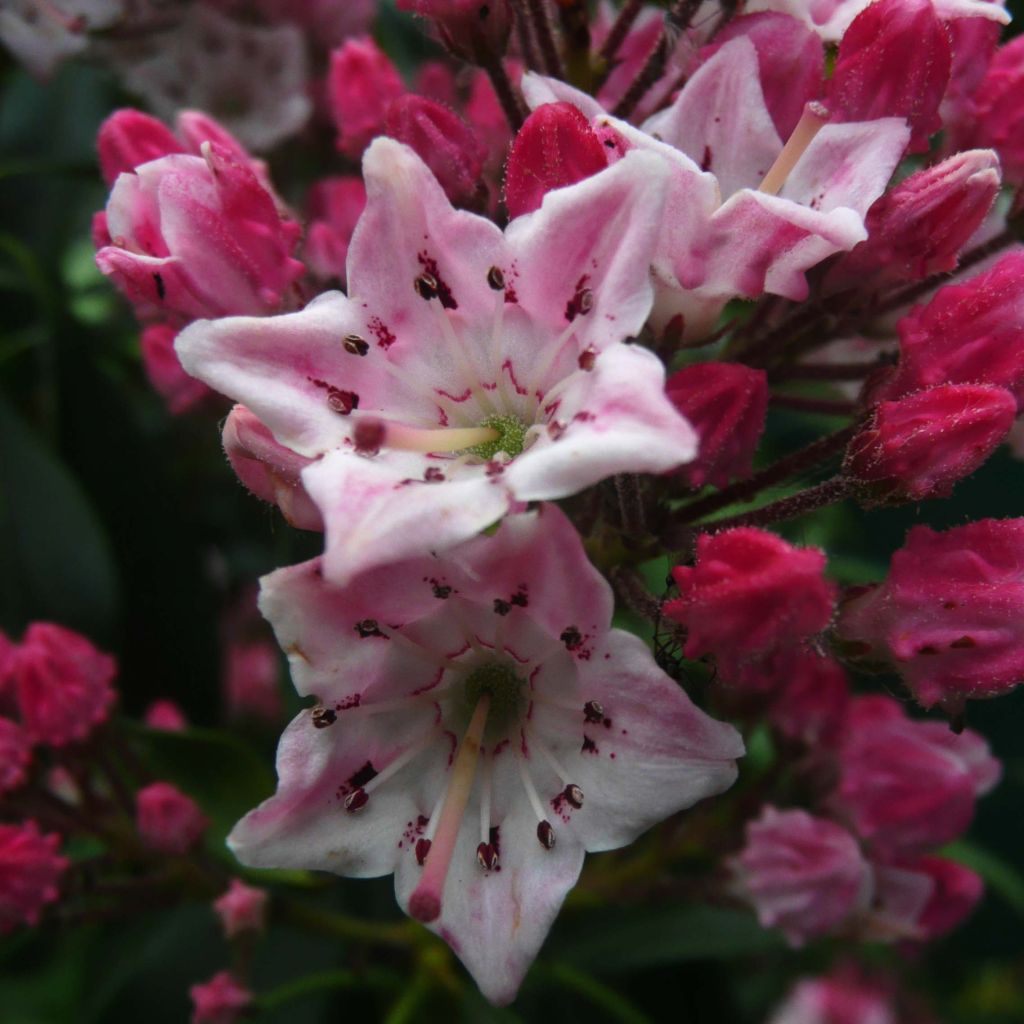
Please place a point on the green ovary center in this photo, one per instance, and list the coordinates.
(499, 681)
(510, 439)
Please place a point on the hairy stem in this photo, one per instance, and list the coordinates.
(827, 493)
(545, 35)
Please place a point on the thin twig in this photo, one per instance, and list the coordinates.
(546, 38)
(511, 102)
(818, 496)
(620, 29)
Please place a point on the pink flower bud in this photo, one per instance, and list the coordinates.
(167, 820)
(165, 716)
(555, 147)
(949, 617)
(180, 391)
(474, 30)
(920, 446)
(63, 684)
(804, 875)
(969, 333)
(810, 704)
(908, 786)
(361, 84)
(251, 687)
(335, 205)
(842, 999)
(15, 755)
(30, 870)
(998, 112)
(268, 469)
(129, 138)
(894, 61)
(221, 1000)
(726, 403)
(749, 598)
(919, 227)
(198, 237)
(241, 909)
(445, 143)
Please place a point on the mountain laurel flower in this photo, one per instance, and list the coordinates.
(30, 873)
(908, 786)
(334, 206)
(242, 909)
(923, 444)
(361, 84)
(469, 370)
(555, 147)
(168, 821)
(726, 404)
(166, 376)
(804, 875)
(750, 599)
(948, 618)
(62, 683)
(479, 727)
(221, 1000)
(15, 755)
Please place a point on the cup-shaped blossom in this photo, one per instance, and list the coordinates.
(968, 333)
(726, 403)
(750, 598)
(30, 872)
(243, 908)
(997, 117)
(948, 617)
(15, 755)
(908, 786)
(180, 391)
(221, 1000)
(555, 147)
(335, 206)
(469, 369)
(361, 84)
(62, 683)
(811, 703)
(479, 727)
(921, 445)
(168, 821)
(803, 874)
(198, 236)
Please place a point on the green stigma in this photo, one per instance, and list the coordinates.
(499, 680)
(510, 439)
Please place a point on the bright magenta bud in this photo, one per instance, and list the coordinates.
(268, 469)
(920, 446)
(168, 821)
(128, 138)
(165, 716)
(969, 333)
(180, 391)
(803, 875)
(919, 227)
(30, 872)
(443, 141)
(555, 147)
(750, 600)
(726, 403)
(950, 616)
(361, 84)
(242, 909)
(334, 205)
(221, 1000)
(811, 702)
(998, 111)
(894, 61)
(475, 30)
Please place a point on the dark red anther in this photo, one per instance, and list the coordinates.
(368, 436)
(323, 717)
(593, 711)
(588, 357)
(356, 800)
(496, 279)
(573, 796)
(426, 286)
(422, 849)
(546, 835)
(487, 856)
(355, 345)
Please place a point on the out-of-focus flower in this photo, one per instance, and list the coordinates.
(476, 368)
(334, 206)
(180, 391)
(948, 617)
(726, 404)
(41, 35)
(221, 1000)
(480, 727)
(30, 872)
(165, 716)
(361, 84)
(63, 684)
(168, 821)
(243, 908)
(811, 700)
(15, 755)
(251, 680)
(804, 875)
(836, 1000)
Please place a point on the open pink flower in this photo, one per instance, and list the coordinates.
(469, 369)
(480, 727)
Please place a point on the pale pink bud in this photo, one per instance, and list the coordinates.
(445, 143)
(804, 875)
(810, 703)
(165, 716)
(180, 391)
(221, 1000)
(474, 30)
(950, 616)
(335, 205)
(15, 755)
(167, 820)
(726, 404)
(842, 999)
(268, 469)
(361, 84)
(555, 147)
(30, 872)
(894, 61)
(998, 112)
(128, 138)
(243, 908)
(251, 686)
(920, 446)
(919, 227)
(63, 684)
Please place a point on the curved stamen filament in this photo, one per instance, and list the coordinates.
(379, 707)
(358, 799)
(425, 901)
(458, 352)
(813, 119)
(554, 351)
(545, 833)
(420, 649)
(428, 441)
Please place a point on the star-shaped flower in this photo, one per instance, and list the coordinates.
(480, 727)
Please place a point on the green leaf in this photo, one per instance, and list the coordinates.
(1002, 878)
(615, 1006)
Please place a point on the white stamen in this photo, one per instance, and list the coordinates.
(458, 351)
(812, 120)
(379, 707)
(401, 761)
(414, 387)
(554, 351)
(558, 389)
(531, 790)
(439, 660)
(485, 798)
(546, 754)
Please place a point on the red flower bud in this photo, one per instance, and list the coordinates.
(555, 147)
(920, 446)
(474, 30)
(30, 870)
(129, 138)
(726, 403)
(894, 61)
(812, 700)
(361, 84)
(998, 113)
(167, 820)
(335, 205)
(180, 391)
